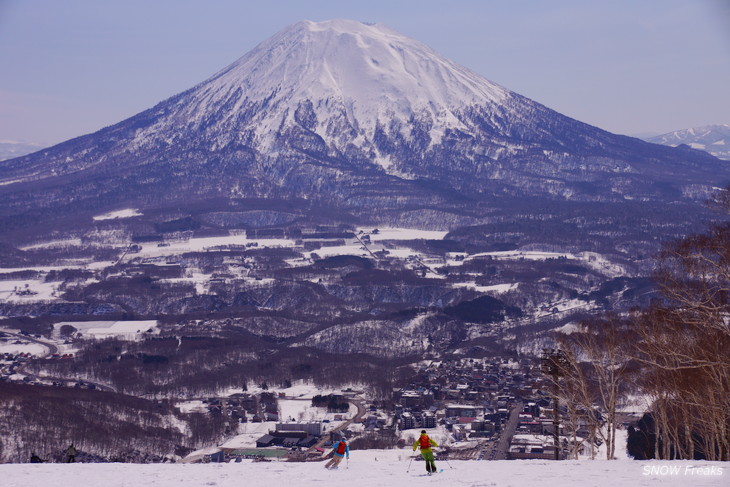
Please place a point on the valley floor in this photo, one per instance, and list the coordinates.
(375, 469)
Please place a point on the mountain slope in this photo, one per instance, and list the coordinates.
(356, 118)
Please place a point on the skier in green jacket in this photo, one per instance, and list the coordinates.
(425, 443)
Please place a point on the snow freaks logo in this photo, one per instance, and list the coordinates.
(687, 471)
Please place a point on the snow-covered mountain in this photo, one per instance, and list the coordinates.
(10, 149)
(344, 81)
(714, 139)
(356, 118)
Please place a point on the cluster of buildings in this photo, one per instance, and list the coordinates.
(504, 404)
(292, 435)
(471, 397)
(254, 408)
(502, 408)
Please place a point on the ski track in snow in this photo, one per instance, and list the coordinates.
(372, 469)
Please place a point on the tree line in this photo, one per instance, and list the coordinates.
(199, 365)
(103, 426)
(675, 353)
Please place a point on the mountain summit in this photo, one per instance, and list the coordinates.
(359, 118)
(339, 74)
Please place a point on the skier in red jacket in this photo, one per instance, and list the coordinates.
(339, 450)
(425, 443)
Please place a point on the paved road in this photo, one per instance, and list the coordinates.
(50, 350)
(97, 385)
(366, 247)
(501, 448)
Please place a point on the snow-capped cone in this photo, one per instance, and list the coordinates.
(341, 79)
(371, 66)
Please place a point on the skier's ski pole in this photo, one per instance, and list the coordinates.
(409, 465)
(446, 458)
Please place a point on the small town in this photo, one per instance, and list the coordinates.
(480, 409)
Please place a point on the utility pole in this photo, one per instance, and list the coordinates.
(553, 363)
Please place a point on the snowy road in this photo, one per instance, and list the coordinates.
(50, 347)
(373, 469)
(360, 412)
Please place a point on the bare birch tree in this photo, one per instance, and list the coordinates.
(684, 345)
(601, 369)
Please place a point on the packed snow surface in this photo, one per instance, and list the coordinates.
(374, 468)
(14, 346)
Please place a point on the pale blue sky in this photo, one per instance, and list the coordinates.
(629, 66)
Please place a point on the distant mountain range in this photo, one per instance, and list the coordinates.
(346, 121)
(714, 139)
(10, 149)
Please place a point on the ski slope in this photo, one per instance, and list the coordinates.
(374, 469)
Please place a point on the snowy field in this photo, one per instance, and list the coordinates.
(129, 330)
(114, 215)
(403, 234)
(248, 434)
(299, 390)
(495, 288)
(9, 345)
(302, 411)
(207, 243)
(18, 291)
(394, 241)
(374, 469)
(592, 259)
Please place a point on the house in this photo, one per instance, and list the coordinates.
(307, 442)
(463, 411)
(290, 442)
(407, 421)
(531, 449)
(311, 429)
(217, 457)
(530, 426)
(415, 398)
(266, 441)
